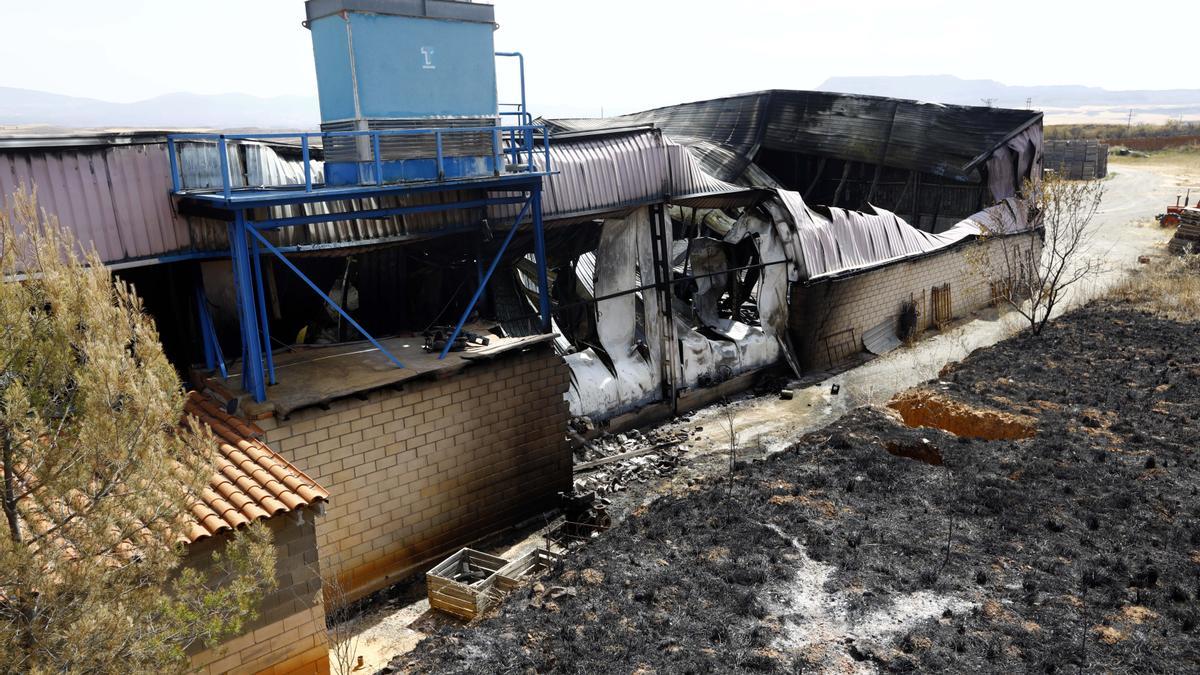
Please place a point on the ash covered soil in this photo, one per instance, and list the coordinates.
(1075, 550)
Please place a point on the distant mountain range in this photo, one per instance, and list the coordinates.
(220, 111)
(1053, 98)
(27, 107)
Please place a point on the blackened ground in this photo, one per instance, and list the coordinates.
(1075, 550)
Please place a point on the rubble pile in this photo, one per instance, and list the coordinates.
(611, 462)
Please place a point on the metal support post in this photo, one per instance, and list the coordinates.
(539, 252)
(441, 170)
(378, 158)
(213, 357)
(462, 321)
(243, 282)
(262, 310)
(223, 150)
(175, 181)
(661, 250)
(305, 155)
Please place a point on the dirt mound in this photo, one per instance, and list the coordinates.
(924, 408)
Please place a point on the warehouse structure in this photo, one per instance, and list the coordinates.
(411, 304)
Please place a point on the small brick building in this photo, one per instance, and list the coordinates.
(251, 483)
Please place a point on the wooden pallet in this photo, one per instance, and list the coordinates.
(464, 584)
(531, 564)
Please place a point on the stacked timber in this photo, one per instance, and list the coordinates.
(1187, 237)
(1082, 159)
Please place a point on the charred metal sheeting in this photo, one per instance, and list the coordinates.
(827, 242)
(882, 338)
(727, 133)
(633, 333)
(632, 375)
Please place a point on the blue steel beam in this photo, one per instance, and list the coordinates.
(295, 194)
(243, 282)
(349, 319)
(214, 358)
(486, 277)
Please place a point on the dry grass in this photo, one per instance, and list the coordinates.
(1168, 287)
(1186, 158)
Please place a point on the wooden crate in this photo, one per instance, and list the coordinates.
(533, 563)
(465, 583)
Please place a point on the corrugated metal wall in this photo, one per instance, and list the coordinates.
(114, 197)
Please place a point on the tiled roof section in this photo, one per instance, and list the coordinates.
(250, 480)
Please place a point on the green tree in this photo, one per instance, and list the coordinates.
(99, 472)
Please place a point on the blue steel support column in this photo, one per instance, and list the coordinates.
(243, 281)
(462, 321)
(539, 252)
(210, 355)
(262, 308)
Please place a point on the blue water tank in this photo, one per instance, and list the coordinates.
(405, 64)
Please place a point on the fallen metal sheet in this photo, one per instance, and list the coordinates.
(827, 242)
(882, 338)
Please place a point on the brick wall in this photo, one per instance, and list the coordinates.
(419, 472)
(288, 636)
(823, 313)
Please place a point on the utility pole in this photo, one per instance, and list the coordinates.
(1029, 103)
(1129, 122)
(988, 101)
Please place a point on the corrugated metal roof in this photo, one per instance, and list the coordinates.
(600, 174)
(250, 481)
(727, 133)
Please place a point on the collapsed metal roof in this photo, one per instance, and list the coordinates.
(726, 134)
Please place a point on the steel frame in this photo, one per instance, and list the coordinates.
(247, 245)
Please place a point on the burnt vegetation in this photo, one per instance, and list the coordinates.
(1075, 550)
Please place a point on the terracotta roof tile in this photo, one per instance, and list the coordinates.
(250, 481)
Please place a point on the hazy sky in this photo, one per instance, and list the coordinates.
(621, 55)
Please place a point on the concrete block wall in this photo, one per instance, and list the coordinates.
(866, 300)
(417, 473)
(288, 636)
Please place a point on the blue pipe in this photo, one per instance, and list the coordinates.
(486, 277)
(266, 244)
(524, 110)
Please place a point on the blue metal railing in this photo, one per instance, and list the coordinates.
(513, 142)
